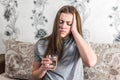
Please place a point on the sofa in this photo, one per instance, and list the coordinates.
(18, 60)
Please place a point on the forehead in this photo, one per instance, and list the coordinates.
(66, 16)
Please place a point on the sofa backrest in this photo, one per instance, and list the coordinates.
(19, 58)
(108, 63)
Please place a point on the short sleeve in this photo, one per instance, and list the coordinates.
(36, 53)
(40, 49)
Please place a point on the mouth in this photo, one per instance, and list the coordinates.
(62, 31)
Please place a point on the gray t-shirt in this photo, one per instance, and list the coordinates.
(70, 67)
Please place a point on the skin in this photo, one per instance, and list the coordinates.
(67, 25)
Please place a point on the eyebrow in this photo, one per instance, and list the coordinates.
(65, 21)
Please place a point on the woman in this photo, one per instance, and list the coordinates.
(67, 43)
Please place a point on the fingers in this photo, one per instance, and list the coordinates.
(74, 18)
(46, 64)
(47, 67)
(74, 25)
(46, 61)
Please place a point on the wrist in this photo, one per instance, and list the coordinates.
(75, 32)
(42, 69)
(41, 72)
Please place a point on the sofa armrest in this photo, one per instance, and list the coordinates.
(2, 63)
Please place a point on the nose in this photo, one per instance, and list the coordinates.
(63, 25)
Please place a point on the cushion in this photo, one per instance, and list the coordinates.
(108, 64)
(19, 58)
(3, 77)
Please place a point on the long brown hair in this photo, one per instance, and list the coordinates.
(55, 45)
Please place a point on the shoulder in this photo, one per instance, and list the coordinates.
(41, 46)
(42, 42)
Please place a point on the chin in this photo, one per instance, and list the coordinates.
(63, 36)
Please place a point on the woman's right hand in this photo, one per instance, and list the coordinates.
(45, 64)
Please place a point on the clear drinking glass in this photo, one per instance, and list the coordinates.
(53, 58)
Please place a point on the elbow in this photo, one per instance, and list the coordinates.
(92, 63)
(33, 76)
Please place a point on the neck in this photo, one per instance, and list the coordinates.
(67, 37)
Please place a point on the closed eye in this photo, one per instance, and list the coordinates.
(61, 22)
(69, 24)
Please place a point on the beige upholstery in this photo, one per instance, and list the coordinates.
(108, 64)
(19, 57)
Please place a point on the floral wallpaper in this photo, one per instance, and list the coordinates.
(10, 15)
(38, 17)
(115, 16)
(30, 22)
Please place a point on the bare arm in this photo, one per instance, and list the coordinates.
(37, 71)
(86, 52)
(40, 69)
